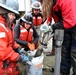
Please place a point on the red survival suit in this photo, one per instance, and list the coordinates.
(8, 57)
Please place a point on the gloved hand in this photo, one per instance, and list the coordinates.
(20, 51)
(24, 58)
(31, 46)
(58, 25)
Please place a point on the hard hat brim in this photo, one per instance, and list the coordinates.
(26, 21)
(2, 10)
(6, 9)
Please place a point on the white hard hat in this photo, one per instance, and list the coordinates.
(36, 5)
(8, 5)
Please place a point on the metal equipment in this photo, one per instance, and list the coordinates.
(46, 37)
(59, 34)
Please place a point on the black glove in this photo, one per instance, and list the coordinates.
(58, 25)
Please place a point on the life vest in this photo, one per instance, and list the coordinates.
(26, 35)
(37, 20)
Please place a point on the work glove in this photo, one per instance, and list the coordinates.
(58, 25)
(31, 46)
(24, 58)
(21, 51)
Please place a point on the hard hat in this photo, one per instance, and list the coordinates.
(36, 5)
(9, 6)
(27, 18)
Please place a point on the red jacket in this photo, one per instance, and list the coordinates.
(68, 12)
(6, 43)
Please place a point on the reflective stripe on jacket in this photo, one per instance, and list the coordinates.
(37, 20)
(26, 35)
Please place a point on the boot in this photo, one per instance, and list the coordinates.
(52, 53)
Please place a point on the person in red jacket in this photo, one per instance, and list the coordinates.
(64, 14)
(8, 57)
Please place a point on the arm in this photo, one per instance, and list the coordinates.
(6, 50)
(35, 35)
(17, 34)
(68, 12)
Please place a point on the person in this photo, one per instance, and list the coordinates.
(8, 56)
(25, 36)
(37, 15)
(64, 14)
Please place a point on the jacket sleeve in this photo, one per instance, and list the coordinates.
(58, 25)
(6, 51)
(68, 9)
(17, 34)
(35, 35)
